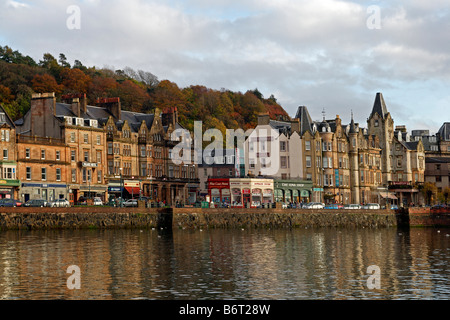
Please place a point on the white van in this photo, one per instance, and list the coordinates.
(98, 201)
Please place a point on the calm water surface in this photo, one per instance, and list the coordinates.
(226, 264)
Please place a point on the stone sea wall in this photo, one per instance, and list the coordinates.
(78, 218)
(279, 218)
(190, 218)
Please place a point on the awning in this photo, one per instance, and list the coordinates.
(389, 196)
(133, 190)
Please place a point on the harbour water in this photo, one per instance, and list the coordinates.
(219, 264)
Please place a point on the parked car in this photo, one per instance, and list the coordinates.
(314, 205)
(59, 203)
(334, 206)
(375, 206)
(82, 201)
(10, 203)
(394, 207)
(130, 203)
(98, 201)
(352, 206)
(35, 203)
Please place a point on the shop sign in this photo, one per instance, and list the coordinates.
(218, 184)
(267, 193)
(89, 165)
(131, 184)
(290, 185)
(256, 192)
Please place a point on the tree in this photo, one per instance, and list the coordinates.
(75, 80)
(10, 56)
(429, 190)
(78, 65)
(132, 96)
(46, 83)
(148, 78)
(5, 95)
(63, 61)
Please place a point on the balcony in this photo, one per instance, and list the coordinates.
(40, 140)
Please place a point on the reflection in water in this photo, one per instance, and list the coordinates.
(225, 264)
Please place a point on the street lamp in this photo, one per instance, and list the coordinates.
(121, 188)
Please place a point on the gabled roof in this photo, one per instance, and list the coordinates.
(7, 118)
(410, 145)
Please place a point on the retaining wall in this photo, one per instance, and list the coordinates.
(108, 217)
(281, 218)
(78, 218)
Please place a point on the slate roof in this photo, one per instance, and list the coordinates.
(7, 119)
(281, 126)
(379, 106)
(305, 119)
(444, 131)
(101, 114)
(437, 159)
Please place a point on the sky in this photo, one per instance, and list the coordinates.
(332, 56)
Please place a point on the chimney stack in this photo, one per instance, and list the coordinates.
(112, 105)
(78, 102)
(170, 116)
(43, 112)
(263, 119)
(295, 125)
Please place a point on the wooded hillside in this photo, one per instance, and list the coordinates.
(138, 90)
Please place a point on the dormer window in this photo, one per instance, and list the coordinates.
(2, 117)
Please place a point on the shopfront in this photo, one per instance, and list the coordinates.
(192, 192)
(293, 191)
(9, 189)
(44, 191)
(219, 190)
(250, 192)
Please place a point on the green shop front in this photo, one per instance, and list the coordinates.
(293, 191)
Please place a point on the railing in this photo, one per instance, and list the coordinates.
(40, 140)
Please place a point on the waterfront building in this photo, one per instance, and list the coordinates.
(437, 156)
(274, 150)
(241, 192)
(403, 161)
(43, 167)
(228, 165)
(113, 151)
(343, 161)
(9, 180)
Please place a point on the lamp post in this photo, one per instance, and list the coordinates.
(121, 188)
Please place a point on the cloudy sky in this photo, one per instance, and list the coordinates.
(326, 54)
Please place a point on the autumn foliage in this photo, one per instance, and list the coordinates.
(139, 91)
